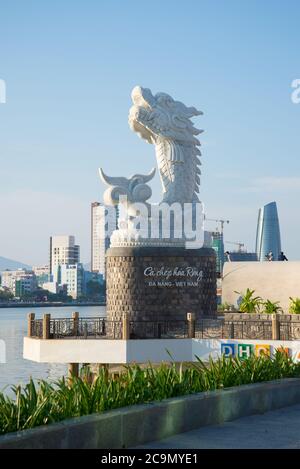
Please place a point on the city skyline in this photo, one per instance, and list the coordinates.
(97, 259)
(68, 96)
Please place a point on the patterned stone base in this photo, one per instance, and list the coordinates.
(152, 283)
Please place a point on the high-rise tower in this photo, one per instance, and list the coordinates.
(103, 222)
(63, 251)
(268, 232)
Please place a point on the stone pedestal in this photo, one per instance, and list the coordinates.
(160, 283)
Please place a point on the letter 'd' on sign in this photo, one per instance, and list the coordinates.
(227, 350)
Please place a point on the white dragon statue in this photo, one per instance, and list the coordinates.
(166, 123)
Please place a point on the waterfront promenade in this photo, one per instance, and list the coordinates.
(278, 429)
(13, 329)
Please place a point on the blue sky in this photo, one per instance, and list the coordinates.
(69, 68)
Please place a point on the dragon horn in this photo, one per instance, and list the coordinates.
(103, 177)
(150, 176)
(112, 180)
(145, 177)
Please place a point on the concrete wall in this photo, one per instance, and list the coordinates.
(74, 350)
(106, 351)
(122, 428)
(276, 281)
(139, 351)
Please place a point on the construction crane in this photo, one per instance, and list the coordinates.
(240, 245)
(222, 222)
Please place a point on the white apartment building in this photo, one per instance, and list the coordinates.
(52, 287)
(19, 281)
(63, 251)
(103, 223)
(7, 279)
(73, 277)
(41, 270)
(42, 274)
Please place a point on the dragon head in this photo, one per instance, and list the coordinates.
(160, 116)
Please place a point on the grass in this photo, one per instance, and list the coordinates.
(45, 403)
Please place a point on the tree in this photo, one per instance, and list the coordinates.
(95, 289)
(44, 295)
(6, 295)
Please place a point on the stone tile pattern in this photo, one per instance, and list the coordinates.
(128, 291)
(230, 316)
(258, 326)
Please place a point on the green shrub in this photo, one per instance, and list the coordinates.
(249, 303)
(45, 403)
(270, 307)
(294, 306)
(226, 307)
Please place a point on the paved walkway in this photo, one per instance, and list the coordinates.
(276, 429)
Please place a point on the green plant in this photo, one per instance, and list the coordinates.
(44, 403)
(294, 305)
(249, 303)
(226, 307)
(5, 295)
(271, 307)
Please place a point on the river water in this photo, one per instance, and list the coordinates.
(13, 327)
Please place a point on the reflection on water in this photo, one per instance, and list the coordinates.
(13, 327)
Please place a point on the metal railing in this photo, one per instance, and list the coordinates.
(102, 328)
(81, 327)
(158, 329)
(209, 328)
(204, 328)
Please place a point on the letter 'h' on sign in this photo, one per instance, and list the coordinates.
(245, 350)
